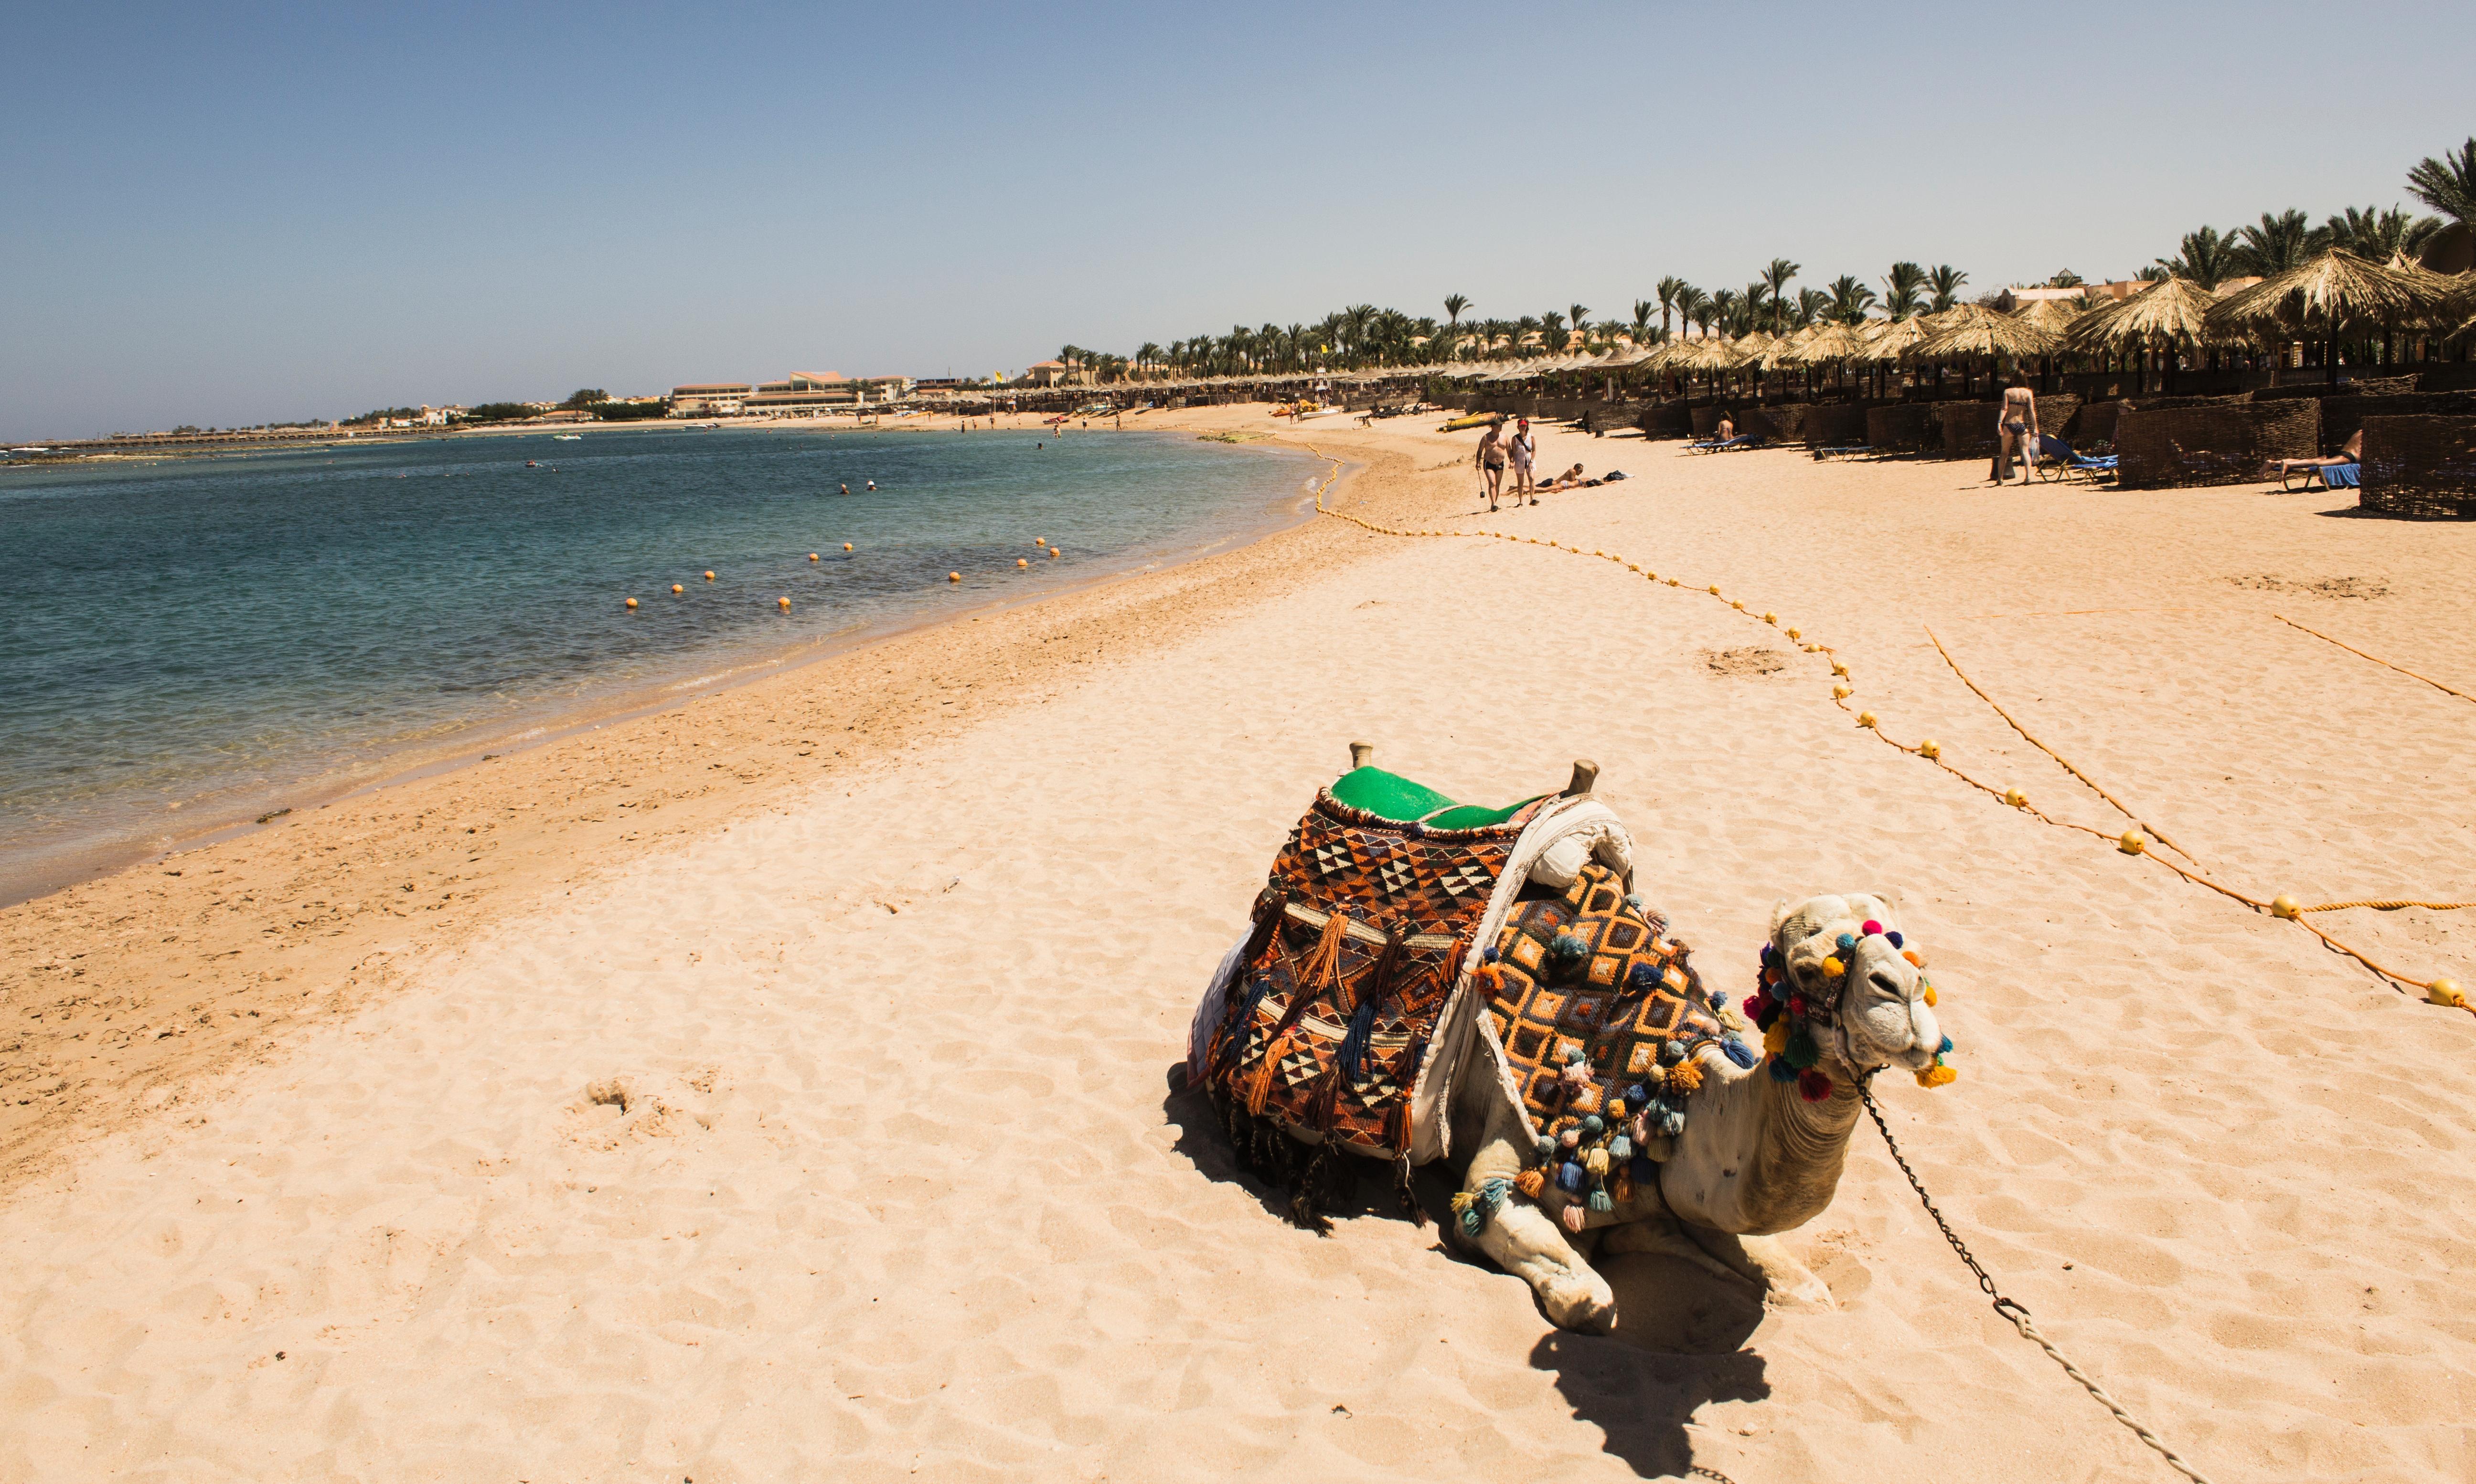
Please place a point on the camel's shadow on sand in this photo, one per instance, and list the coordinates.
(1678, 1344)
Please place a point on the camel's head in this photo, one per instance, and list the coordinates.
(1878, 1011)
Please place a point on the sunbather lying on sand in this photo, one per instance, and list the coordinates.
(2352, 453)
(1571, 479)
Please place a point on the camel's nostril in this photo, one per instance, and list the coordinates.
(1890, 987)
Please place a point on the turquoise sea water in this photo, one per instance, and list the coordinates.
(193, 642)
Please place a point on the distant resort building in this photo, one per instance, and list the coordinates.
(801, 391)
(709, 399)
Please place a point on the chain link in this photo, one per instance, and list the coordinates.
(2011, 1310)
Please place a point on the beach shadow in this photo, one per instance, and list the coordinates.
(1365, 1188)
(1677, 1348)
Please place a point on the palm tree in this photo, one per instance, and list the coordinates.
(2207, 257)
(1694, 307)
(2376, 235)
(2279, 243)
(1775, 279)
(1581, 321)
(1901, 290)
(1147, 356)
(1671, 290)
(1551, 330)
(1642, 312)
(1851, 299)
(1522, 330)
(1944, 282)
(2447, 183)
(1454, 304)
(1724, 309)
(1812, 304)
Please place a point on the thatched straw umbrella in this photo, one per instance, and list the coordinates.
(2335, 291)
(1974, 329)
(2169, 317)
(2052, 315)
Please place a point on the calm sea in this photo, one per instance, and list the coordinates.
(193, 642)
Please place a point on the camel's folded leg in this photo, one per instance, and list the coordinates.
(1663, 1236)
(1524, 1243)
(1785, 1281)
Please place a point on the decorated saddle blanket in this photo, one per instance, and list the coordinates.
(1597, 1014)
(1360, 937)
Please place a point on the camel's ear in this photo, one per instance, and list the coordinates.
(1779, 914)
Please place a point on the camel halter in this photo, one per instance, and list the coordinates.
(1788, 1012)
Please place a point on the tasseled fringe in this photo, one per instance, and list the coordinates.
(1408, 1196)
(1261, 1087)
(1684, 1078)
(1323, 960)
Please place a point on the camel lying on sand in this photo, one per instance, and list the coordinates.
(1599, 1099)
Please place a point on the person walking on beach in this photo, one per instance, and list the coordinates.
(1525, 452)
(2018, 427)
(1491, 462)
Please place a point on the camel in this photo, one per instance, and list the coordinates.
(1741, 1154)
(1756, 1157)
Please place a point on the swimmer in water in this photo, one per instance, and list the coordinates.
(872, 485)
(847, 489)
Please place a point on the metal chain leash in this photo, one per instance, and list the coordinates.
(2011, 1309)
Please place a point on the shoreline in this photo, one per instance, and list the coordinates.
(967, 643)
(549, 718)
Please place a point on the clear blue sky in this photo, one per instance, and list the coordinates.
(221, 214)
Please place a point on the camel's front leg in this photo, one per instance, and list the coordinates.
(1784, 1280)
(1524, 1243)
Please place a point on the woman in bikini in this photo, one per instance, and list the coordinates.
(2019, 430)
(2352, 453)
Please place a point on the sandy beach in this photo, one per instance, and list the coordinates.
(777, 1087)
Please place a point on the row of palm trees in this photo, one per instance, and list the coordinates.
(1363, 337)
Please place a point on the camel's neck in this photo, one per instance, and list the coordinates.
(1756, 1157)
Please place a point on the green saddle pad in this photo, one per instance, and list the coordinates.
(1390, 796)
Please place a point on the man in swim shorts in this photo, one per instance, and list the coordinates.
(1490, 460)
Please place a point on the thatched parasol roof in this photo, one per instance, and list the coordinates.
(2172, 312)
(2053, 315)
(1830, 343)
(2334, 289)
(1891, 339)
(1974, 329)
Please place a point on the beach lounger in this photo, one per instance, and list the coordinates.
(1716, 446)
(2345, 475)
(2057, 460)
(1842, 450)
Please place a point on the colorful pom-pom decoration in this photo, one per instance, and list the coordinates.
(1738, 1052)
(1813, 1086)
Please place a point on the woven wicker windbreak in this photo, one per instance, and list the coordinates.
(1902, 426)
(2420, 466)
(1834, 424)
(1665, 420)
(2221, 444)
(2342, 416)
(1705, 419)
(1967, 428)
(2095, 424)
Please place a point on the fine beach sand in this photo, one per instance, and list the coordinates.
(774, 1088)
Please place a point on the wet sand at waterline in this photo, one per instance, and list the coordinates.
(775, 1087)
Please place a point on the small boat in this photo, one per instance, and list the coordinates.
(567, 437)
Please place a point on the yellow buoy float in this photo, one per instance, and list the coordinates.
(2446, 992)
(709, 576)
(632, 603)
(2286, 907)
(784, 604)
(2132, 842)
(953, 577)
(2015, 798)
(846, 546)
(812, 556)
(677, 588)
(1021, 562)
